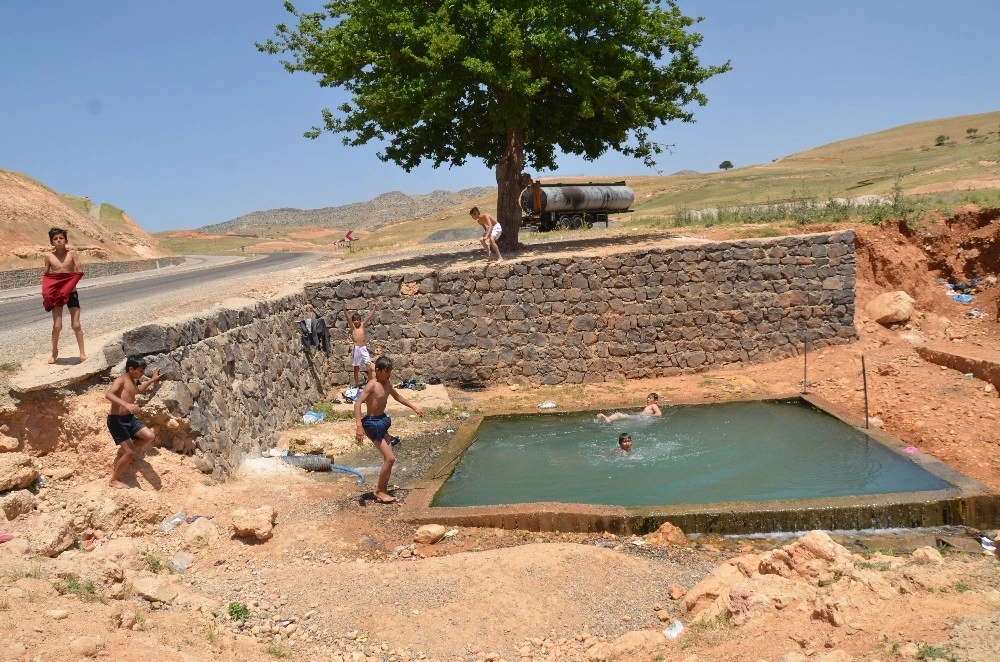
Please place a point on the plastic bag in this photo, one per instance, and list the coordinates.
(547, 405)
(673, 630)
(312, 417)
(351, 394)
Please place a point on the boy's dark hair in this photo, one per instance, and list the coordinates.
(622, 437)
(473, 211)
(654, 396)
(356, 317)
(383, 363)
(55, 232)
(135, 362)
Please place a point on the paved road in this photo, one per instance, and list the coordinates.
(21, 312)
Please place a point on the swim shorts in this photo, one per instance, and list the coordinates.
(123, 427)
(375, 427)
(495, 231)
(74, 300)
(360, 356)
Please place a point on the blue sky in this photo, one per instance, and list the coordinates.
(167, 110)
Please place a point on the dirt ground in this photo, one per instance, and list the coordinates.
(341, 578)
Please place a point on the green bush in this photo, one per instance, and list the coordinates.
(239, 611)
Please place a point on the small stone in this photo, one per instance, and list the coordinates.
(57, 614)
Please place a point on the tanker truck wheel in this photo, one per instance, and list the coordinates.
(576, 222)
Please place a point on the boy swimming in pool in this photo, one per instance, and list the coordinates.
(624, 443)
(376, 424)
(652, 409)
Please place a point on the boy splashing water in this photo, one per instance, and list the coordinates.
(376, 424)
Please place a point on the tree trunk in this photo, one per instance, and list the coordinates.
(509, 188)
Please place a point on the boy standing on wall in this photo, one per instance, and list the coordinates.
(376, 424)
(491, 232)
(62, 273)
(359, 355)
(128, 431)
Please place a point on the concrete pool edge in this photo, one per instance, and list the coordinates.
(968, 502)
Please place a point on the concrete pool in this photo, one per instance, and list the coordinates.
(785, 464)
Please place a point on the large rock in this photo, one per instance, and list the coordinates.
(428, 534)
(17, 503)
(52, 534)
(17, 471)
(155, 589)
(8, 444)
(891, 307)
(257, 523)
(201, 533)
(667, 534)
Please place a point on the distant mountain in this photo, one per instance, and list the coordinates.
(371, 215)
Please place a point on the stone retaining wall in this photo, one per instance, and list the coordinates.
(240, 376)
(33, 276)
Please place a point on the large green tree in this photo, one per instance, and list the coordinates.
(511, 82)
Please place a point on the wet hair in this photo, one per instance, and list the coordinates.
(654, 396)
(55, 232)
(355, 317)
(383, 363)
(473, 211)
(135, 362)
(622, 437)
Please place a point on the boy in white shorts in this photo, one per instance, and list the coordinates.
(359, 355)
(491, 232)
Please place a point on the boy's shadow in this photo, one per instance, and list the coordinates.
(70, 361)
(141, 466)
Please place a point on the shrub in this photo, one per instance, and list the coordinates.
(152, 562)
(239, 611)
(940, 140)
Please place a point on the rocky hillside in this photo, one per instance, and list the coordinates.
(99, 231)
(373, 214)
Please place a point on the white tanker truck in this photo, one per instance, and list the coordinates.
(572, 206)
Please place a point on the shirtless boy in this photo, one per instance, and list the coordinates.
(62, 272)
(359, 355)
(652, 409)
(128, 431)
(624, 443)
(491, 232)
(376, 424)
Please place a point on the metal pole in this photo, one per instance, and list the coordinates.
(805, 363)
(864, 379)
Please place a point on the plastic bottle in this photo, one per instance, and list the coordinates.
(172, 522)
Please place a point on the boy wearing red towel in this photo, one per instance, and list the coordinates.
(62, 273)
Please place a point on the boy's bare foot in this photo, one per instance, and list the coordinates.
(383, 497)
(52, 359)
(117, 484)
(83, 357)
(499, 259)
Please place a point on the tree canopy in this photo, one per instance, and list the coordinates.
(511, 82)
(726, 165)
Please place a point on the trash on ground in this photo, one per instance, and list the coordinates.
(193, 518)
(312, 416)
(639, 542)
(351, 394)
(607, 544)
(181, 562)
(673, 630)
(547, 405)
(975, 313)
(449, 534)
(172, 522)
(4, 537)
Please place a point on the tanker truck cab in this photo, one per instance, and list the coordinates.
(573, 206)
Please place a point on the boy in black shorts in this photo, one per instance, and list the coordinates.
(128, 431)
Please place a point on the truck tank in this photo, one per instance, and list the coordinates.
(608, 198)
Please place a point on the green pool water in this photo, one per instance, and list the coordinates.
(693, 454)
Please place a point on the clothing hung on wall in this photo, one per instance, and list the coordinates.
(315, 333)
